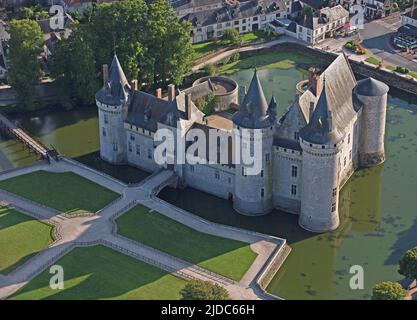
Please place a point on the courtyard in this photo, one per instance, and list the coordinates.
(227, 257)
(15, 243)
(101, 273)
(66, 192)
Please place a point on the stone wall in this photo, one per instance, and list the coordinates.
(215, 179)
(360, 69)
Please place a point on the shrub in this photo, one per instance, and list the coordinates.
(231, 37)
(388, 291)
(408, 264)
(234, 57)
(203, 290)
(207, 103)
(210, 69)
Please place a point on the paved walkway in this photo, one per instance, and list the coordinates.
(100, 228)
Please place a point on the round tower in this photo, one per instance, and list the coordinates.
(253, 136)
(370, 95)
(320, 142)
(111, 101)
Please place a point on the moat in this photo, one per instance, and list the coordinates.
(379, 217)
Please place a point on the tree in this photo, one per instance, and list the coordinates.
(307, 11)
(169, 50)
(119, 26)
(388, 291)
(231, 37)
(207, 103)
(34, 13)
(210, 69)
(73, 67)
(203, 290)
(26, 40)
(408, 264)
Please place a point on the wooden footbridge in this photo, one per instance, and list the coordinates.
(13, 131)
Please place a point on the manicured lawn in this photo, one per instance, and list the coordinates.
(372, 60)
(66, 191)
(270, 60)
(20, 238)
(100, 273)
(227, 257)
(204, 48)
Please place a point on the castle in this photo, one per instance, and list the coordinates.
(334, 126)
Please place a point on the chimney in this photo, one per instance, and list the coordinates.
(311, 109)
(188, 106)
(134, 85)
(171, 92)
(105, 74)
(314, 81)
(330, 121)
(158, 93)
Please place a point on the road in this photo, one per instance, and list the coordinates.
(375, 37)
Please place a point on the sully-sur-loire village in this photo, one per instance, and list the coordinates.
(208, 150)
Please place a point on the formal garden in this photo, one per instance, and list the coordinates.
(66, 192)
(20, 238)
(227, 257)
(101, 273)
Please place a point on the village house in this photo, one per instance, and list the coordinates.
(374, 9)
(209, 21)
(320, 25)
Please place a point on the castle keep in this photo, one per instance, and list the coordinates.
(334, 126)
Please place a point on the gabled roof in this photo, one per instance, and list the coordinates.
(315, 4)
(253, 112)
(411, 14)
(146, 110)
(245, 9)
(339, 84)
(325, 16)
(116, 90)
(321, 129)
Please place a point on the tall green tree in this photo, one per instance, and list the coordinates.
(408, 264)
(169, 50)
(73, 67)
(26, 40)
(203, 290)
(120, 27)
(388, 291)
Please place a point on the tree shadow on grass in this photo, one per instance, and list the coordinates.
(10, 218)
(100, 273)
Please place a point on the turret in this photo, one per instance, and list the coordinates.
(112, 101)
(370, 95)
(320, 141)
(253, 132)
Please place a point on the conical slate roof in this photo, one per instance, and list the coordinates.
(371, 87)
(253, 112)
(272, 107)
(320, 129)
(116, 90)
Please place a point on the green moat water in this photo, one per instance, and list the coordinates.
(379, 216)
